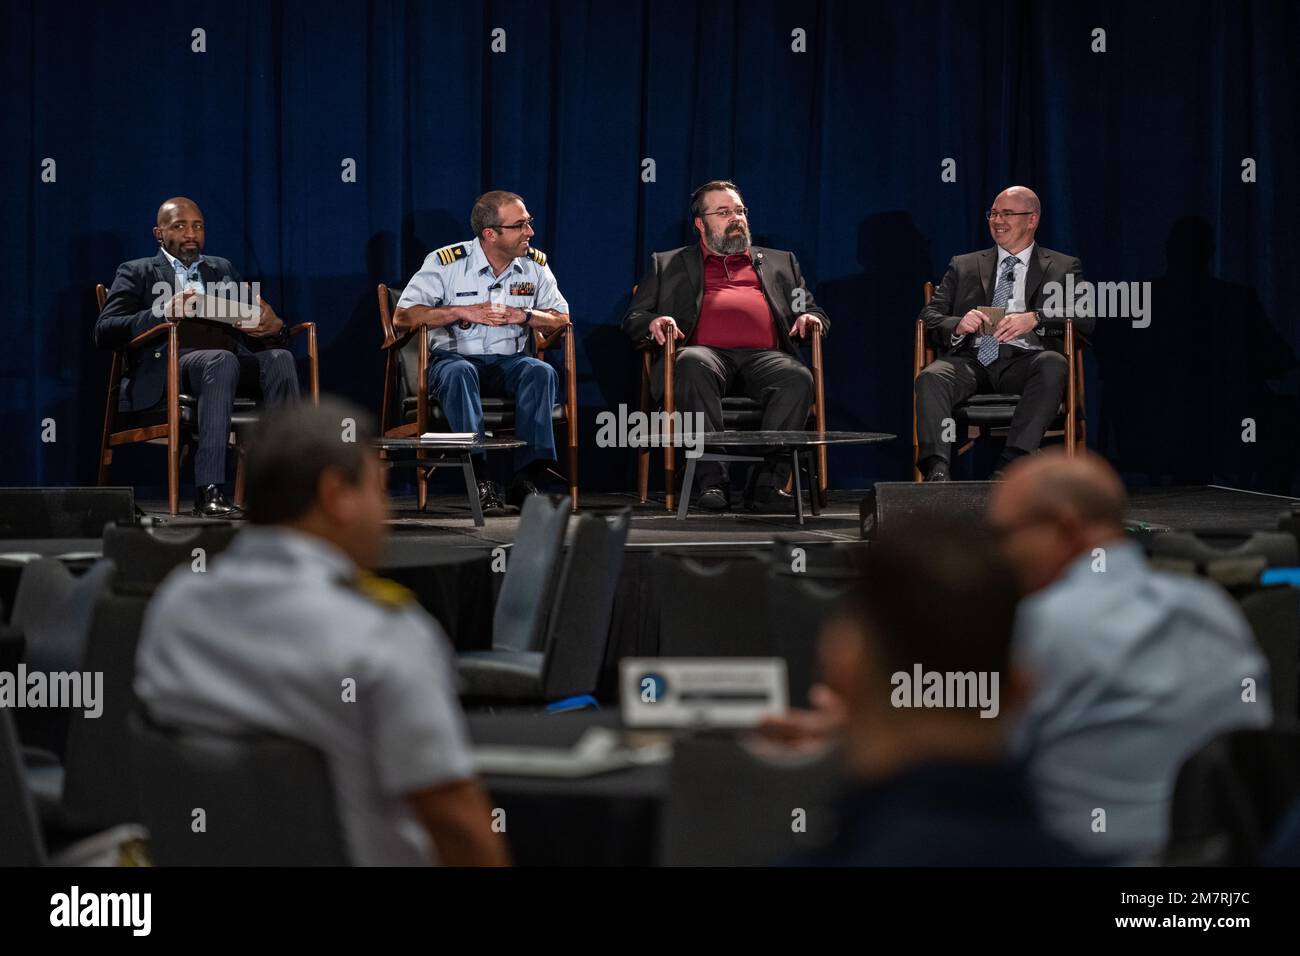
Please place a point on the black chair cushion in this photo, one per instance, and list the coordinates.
(243, 415)
(995, 411)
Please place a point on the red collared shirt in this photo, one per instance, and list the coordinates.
(734, 313)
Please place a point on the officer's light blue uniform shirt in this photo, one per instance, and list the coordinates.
(1131, 671)
(274, 636)
(461, 275)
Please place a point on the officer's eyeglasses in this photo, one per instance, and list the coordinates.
(1004, 214)
(740, 212)
(521, 224)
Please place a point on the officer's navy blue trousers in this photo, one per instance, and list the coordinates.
(458, 382)
(214, 377)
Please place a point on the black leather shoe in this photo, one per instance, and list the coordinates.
(520, 490)
(713, 498)
(489, 499)
(937, 472)
(211, 502)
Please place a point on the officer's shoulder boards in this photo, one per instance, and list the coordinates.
(449, 254)
(382, 591)
(537, 256)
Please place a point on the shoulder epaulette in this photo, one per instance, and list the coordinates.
(449, 254)
(382, 591)
(537, 256)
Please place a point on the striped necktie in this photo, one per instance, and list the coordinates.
(988, 350)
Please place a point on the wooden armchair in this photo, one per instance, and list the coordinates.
(409, 411)
(990, 414)
(181, 409)
(739, 412)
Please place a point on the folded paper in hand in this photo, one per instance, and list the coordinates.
(994, 316)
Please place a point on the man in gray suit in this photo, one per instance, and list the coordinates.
(1025, 356)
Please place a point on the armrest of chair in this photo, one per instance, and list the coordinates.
(313, 359)
(422, 393)
(543, 340)
(819, 377)
(920, 349)
(151, 334)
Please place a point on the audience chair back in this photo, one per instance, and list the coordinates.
(98, 786)
(584, 604)
(729, 807)
(55, 610)
(144, 556)
(519, 623)
(1238, 562)
(804, 586)
(268, 801)
(1274, 616)
(1230, 796)
(21, 843)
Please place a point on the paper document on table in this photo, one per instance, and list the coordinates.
(462, 437)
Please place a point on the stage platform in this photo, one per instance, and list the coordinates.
(447, 521)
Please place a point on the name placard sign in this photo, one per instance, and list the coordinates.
(701, 692)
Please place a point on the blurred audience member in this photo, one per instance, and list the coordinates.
(288, 634)
(918, 663)
(1131, 669)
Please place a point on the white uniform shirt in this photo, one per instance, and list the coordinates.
(264, 640)
(462, 275)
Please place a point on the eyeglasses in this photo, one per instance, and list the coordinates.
(521, 224)
(739, 212)
(1004, 214)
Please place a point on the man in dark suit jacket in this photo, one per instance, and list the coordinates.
(1026, 354)
(739, 309)
(217, 361)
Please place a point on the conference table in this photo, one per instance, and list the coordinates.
(608, 819)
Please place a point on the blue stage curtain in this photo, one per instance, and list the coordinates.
(838, 149)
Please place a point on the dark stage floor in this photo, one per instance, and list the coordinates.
(447, 520)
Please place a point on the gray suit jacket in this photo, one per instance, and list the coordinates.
(968, 284)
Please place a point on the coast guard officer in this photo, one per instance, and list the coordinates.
(289, 633)
(480, 299)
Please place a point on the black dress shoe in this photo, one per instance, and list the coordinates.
(520, 490)
(211, 502)
(713, 498)
(489, 499)
(937, 473)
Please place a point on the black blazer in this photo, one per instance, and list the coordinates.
(969, 282)
(674, 285)
(128, 312)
